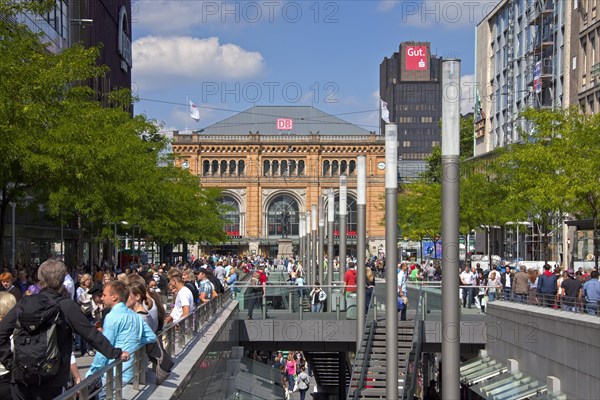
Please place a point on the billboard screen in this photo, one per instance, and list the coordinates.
(416, 58)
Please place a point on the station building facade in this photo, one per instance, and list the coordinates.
(265, 173)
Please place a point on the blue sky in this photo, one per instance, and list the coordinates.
(228, 55)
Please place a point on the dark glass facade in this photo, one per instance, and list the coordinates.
(413, 93)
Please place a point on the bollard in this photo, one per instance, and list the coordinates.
(264, 307)
(290, 307)
(337, 308)
(119, 382)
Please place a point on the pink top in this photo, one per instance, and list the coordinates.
(291, 367)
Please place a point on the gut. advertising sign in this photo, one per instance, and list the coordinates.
(416, 58)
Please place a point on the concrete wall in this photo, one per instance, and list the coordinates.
(548, 342)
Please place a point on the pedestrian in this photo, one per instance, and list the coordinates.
(300, 284)
(184, 300)
(546, 287)
(467, 279)
(290, 366)
(571, 292)
(8, 285)
(591, 293)
(122, 327)
(521, 286)
(370, 282)
(350, 280)
(7, 302)
(317, 298)
(507, 282)
(43, 309)
(257, 291)
(302, 382)
(402, 289)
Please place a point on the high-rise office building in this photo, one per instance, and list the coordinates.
(410, 82)
(520, 62)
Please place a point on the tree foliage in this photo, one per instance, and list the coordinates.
(79, 160)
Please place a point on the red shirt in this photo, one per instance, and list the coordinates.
(262, 278)
(350, 280)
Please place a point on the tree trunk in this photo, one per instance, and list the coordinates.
(3, 207)
(79, 243)
(595, 233)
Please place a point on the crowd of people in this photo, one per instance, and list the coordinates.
(293, 366)
(50, 315)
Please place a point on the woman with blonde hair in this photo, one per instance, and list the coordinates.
(84, 299)
(370, 287)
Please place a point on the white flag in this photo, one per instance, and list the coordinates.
(385, 114)
(194, 111)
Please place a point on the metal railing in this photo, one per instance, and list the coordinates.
(174, 336)
(415, 351)
(556, 302)
(364, 350)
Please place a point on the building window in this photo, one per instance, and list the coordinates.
(406, 143)
(284, 168)
(241, 168)
(231, 216)
(282, 216)
(352, 167)
(232, 167)
(215, 167)
(205, 168)
(223, 170)
(301, 168)
(326, 168)
(292, 167)
(275, 167)
(343, 167)
(335, 166)
(266, 168)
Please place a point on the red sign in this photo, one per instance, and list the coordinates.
(416, 58)
(285, 124)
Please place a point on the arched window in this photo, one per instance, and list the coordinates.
(301, 168)
(241, 168)
(232, 166)
(343, 167)
(275, 168)
(284, 168)
(223, 167)
(282, 216)
(215, 167)
(352, 167)
(334, 168)
(266, 168)
(292, 167)
(231, 216)
(326, 167)
(350, 216)
(206, 167)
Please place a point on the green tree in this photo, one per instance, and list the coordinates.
(33, 86)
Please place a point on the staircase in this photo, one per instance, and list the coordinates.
(326, 369)
(376, 366)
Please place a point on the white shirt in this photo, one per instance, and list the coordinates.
(402, 281)
(466, 277)
(69, 284)
(184, 298)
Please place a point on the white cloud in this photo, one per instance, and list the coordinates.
(467, 93)
(387, 5)
(159, 61)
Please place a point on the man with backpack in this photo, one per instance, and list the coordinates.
(42, 327)
(257, 290)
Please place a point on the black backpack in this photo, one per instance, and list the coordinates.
(216, 283)
(194, 290)
(36, 357)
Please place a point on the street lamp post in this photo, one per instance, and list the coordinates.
(361, 210)
(301, 236)
(321, 260)
(330, 262)
(343, 214)
(391, 254)
(313, 221)
(450, 227)
(308, 268)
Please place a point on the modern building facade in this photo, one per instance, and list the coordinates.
(273, 163)
(410, 82)
(520, 62)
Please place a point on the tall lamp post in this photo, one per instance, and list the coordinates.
(450, 227)
(361, 210)
(301, 236)
(343, 214)
(321, 260)
(313, 221)
(330, 223)
(391, 254)
(308, 268)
